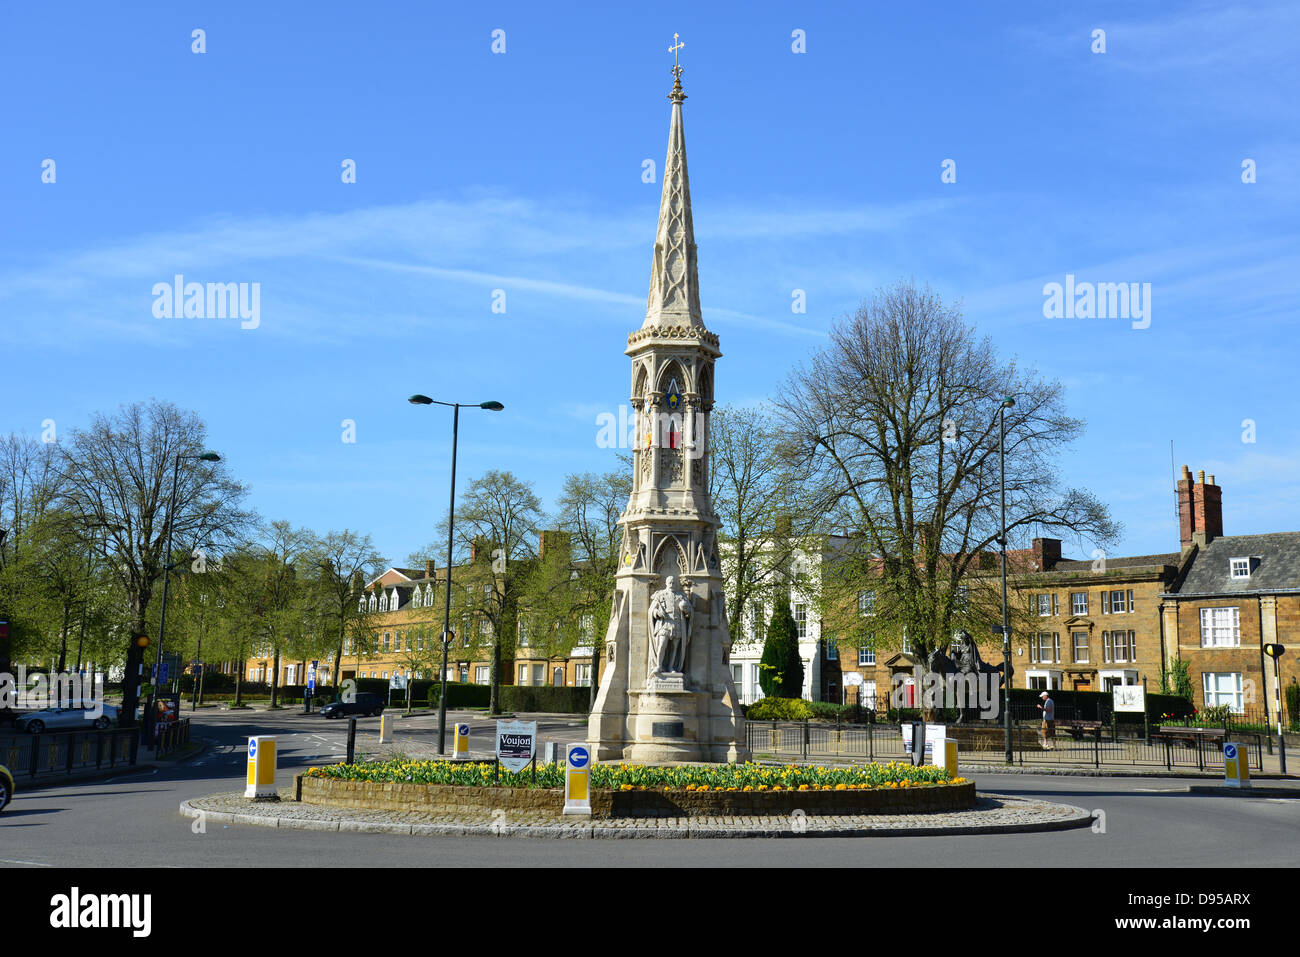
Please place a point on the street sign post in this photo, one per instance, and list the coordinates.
(516, 744)
(577, 780)
(311, 688)
(460, 747)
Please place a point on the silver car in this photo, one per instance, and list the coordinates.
(78, 719)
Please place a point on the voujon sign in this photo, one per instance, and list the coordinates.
(516, 744)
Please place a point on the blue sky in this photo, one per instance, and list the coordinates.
(522, 171)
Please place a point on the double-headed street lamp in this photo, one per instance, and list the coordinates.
(1007, 403)
(451, 524)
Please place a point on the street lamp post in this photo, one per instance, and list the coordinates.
(451, 525)
(1007, 403)
(167, 559)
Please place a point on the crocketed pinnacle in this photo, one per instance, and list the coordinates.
(674, 298)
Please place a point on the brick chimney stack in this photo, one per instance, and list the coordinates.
(1047, 552)
(1200, 509)
(429, 568)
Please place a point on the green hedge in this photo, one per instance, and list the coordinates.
(545, 698)
(779, 709)
(1094, 706)
(461, 695)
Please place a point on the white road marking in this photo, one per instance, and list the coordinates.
(29, 863)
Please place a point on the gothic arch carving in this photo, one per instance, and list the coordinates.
(670, 557)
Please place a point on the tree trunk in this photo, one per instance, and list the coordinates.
(494, 699)
(239, 682)
(63, 640)
(275, 677)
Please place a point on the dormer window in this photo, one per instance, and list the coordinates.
(1240, 567)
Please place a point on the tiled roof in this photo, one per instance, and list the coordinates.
(1277, 565)
(1132, 561)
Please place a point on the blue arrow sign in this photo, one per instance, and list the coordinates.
(1230, 751)
(578, 757)
(252, 747)
(462, 730)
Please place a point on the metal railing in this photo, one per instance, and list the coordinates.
(1109, 745)
(54, 753)
(171, 735)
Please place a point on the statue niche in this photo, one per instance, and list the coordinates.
(670, 630)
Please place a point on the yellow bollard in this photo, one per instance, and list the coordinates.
(1236, 765)
(460, 749)
(577, 779)
(261, 768)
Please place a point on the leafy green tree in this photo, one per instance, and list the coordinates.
(781, 667)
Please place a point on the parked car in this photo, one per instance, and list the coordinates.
(6, 786)
(59, 719)
(365, 703)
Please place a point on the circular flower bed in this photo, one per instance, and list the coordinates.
(633, 790)
(640, 777)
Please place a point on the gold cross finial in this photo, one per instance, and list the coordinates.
(673, 50)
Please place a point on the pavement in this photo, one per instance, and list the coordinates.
(132, 820)
(992, 814)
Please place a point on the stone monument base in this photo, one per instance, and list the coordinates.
(666, 723)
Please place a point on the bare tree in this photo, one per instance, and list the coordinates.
(344, 561)
(896, 423)
(766, 508)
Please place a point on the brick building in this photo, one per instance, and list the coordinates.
(1234, 594)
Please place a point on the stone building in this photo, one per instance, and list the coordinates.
(1234, 594)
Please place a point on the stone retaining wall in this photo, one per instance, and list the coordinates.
(448, 799)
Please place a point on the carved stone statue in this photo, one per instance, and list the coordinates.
(963, 658)
(670, 629)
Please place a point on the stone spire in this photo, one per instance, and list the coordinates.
(674, 283)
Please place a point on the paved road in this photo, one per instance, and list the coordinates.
(132, 820)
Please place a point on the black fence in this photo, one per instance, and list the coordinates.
(55, 753)
(1088, 744)
(170, 736)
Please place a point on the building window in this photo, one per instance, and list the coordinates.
(1119, 645)
(1220, 628)
(832, 649)
(523, 633)
(1044, 606)
(754, 682)
(866, 603)
(755, 620)
(539, 675)
(1240, 568)
(1222, 687)
(961, 600)
(737, 675)
(1079, 603)
(557, 677)
(523, 675)
(387, 639)
(801, 620)
(583, 675)
(1113, 602)
(1080, 647)
(866, 657)
(1045, 648)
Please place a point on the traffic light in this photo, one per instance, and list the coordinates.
(1274, 650)
(131, 678)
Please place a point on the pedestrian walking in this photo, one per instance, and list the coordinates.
(1048, 732)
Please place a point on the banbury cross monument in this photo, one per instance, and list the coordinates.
(667, 692)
